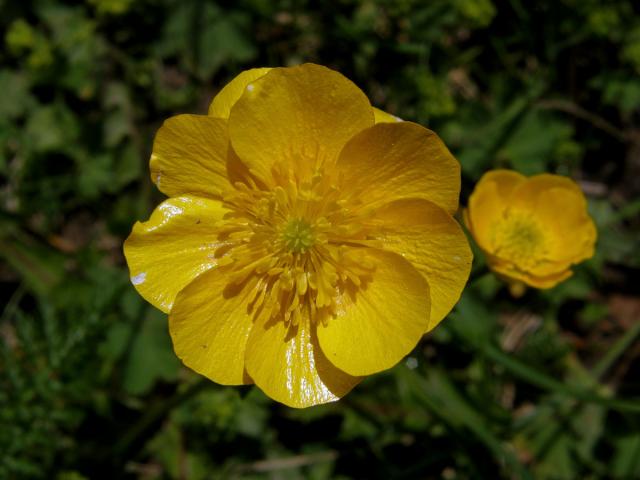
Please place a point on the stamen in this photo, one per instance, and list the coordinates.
(293, 246)
(520, 239)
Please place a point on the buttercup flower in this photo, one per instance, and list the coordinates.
(303, 245)
(532, 230)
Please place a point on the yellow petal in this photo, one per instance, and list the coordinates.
(436, 246)
(383, 117)
(525, 267)
(190, 156)
(506, 181)
(289, 366)
(509, 272)
(488, 203)
(528, 193)
(300, 116)
(209, 327)
(486, 209)
(173, 247)
(382, 321)
(571, 230)
(229, 95)
(392, 161)
(549, 281)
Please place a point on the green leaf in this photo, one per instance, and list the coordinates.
(472, 319)
(95, 174)
(118, 114)
(440, 395)
(151, 357)
(15, 89)
(531, 147)
(223, 40)
(40, 267)
(128, 167)
(483, 143)
(51, 128)
(626, 458)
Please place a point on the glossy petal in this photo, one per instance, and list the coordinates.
(434, 243)
(190, 156)
(400, 160)
(300, 116)
(227, 97)
(382, 321)
(383, 117)
(209, 326)
(173, 247)
(289, 366)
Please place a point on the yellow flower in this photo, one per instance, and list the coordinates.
(532, 230)
(303, 246)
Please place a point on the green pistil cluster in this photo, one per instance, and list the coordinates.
(298, 236)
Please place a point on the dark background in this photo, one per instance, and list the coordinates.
(544, 386)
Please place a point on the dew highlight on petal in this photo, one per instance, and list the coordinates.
(139, 278)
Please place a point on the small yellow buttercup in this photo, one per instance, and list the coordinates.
(532, 230)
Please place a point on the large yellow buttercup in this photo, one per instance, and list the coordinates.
(303, 245)
(532, 230)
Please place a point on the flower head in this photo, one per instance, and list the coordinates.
(532, 230)
(303, 245)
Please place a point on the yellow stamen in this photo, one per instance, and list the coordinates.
(287, 247)
(520, 239)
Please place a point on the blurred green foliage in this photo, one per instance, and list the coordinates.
(544, 386)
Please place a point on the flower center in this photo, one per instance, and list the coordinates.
(298, 236)
(295, 248)
(520, 239)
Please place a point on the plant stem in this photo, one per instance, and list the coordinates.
(615, 352)
(156, 413)
(546, 382)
